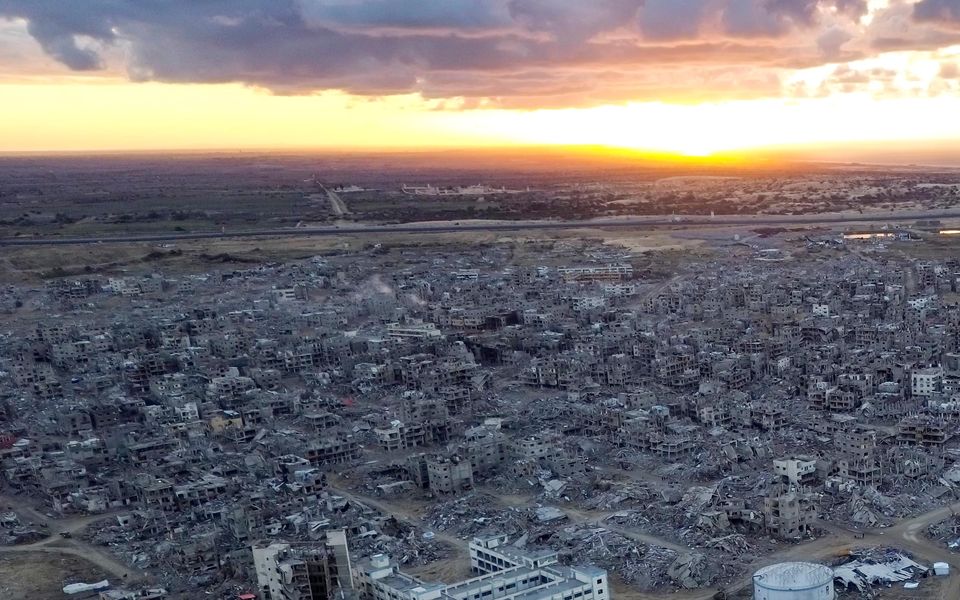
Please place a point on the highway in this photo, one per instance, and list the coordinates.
(637, 223)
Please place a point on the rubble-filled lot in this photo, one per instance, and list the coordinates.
(675, 429)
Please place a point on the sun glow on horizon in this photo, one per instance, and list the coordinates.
(118, 115)
(707, 129)
(824, 76)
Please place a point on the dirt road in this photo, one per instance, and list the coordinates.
(56, 544)
(401, 513)
(907, 534)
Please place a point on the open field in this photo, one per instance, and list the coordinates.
(198, 256)
(73, 196)
(41, 576)
(37, 263)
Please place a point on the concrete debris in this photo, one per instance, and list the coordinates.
(879, 567)
(549, 514)
(74, 589)
(664, 417)
(637, 564)
(735, 544)
(690, 571)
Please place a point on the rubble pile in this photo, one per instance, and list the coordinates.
(875, 568)
(946, 532)
(735, 544)
(410, 549)
(669, 429)
(473, 514)
(690, 571)
(864, 513)
(636, 519)
(608, 496)
(637, 564)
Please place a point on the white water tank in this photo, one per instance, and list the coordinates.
(793, 581)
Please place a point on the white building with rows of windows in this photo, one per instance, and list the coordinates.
(504, 572)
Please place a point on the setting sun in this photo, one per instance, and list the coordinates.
(704, 129)
(463, 299)
(662, 79)
(196, 117)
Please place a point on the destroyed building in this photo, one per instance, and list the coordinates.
(711, 415)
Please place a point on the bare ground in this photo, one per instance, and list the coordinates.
(38, 576)
(36, 263)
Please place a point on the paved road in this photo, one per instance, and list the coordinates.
(445, 227)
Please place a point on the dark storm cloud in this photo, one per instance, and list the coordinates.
(800, 11)
(674, 19)
(62, 45)
(451, 14)
(510, 50)
(574, 20)
(805, 11)
(938, 11)
(685, 19)
(854, 8)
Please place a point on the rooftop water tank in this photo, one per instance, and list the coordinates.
(793, 581)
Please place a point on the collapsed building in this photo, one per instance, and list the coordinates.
(271, 406)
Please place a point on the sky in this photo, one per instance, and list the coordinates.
(693, 77)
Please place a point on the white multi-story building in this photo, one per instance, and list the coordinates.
(615, 272)
(504, 573)
(588, 302)
(926, 382)
(415, 331)
(796, 470)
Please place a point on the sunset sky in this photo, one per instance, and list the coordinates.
(693, 77)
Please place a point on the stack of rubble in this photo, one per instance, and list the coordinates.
(640, 565)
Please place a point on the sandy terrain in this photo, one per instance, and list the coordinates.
(195, 256)
(36, 576)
